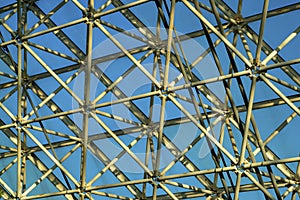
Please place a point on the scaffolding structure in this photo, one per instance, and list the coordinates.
(149, 99)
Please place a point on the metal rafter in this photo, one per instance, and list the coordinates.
(244, 150)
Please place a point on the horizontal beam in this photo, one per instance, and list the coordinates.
(274, 12)
(196, 194)
(242, 108)
(8, 7)
(230, 168)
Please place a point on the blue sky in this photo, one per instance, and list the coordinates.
(277, 29)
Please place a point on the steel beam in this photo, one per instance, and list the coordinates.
(201, 106)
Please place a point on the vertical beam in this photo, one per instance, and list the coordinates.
(245, 137)
(19, 118)
(249, 117)
(19, 110)
(261, 31)
(86, 107)
(160, 135)
(149, 145)
(169, 43)
(247, 124)
(240, 5)
(24, 101)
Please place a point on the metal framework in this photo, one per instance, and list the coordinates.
(62, 137)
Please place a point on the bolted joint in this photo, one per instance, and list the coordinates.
(18, 127)
(83, 193)
(158, 46)
(239, 169)
(238, 19)
(164, 93)
(88, 108)
(18, 39)
(252, 67)
(25, 80)
(254, 72)
(155, 179)
(261, 65)
(253, 75)
(18, 123)
(150, 128)
(89, 14)
(227, 113)
(237, 22)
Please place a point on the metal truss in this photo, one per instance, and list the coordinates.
(166, 135)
